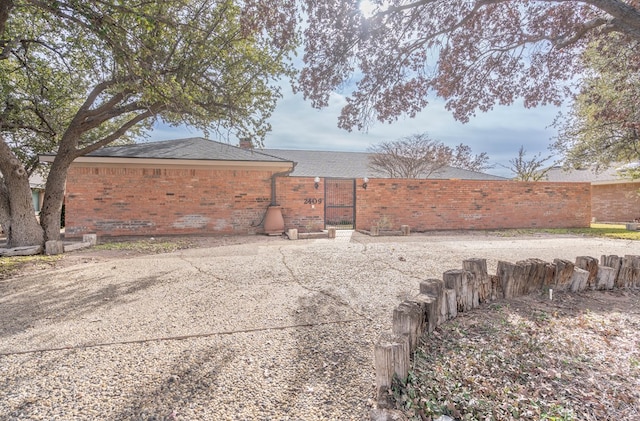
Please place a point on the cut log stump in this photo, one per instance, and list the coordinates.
(590, 264)
(606, 278)
(564, 273)
(391, 358)
(53, 247)
(629, 275)
(463, 283)
(409, 319)
(478, 268)
(579, 280)
(435, 288)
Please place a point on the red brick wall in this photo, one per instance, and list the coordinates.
(165, 201)
(615, 202)
(468, 204)
(172, 201)
(302, 204)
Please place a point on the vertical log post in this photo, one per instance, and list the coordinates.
(508, 281)
(391, 357)
(92, 239)
(536, 275)
(579, 280)
(409, 318)
(612, 261)
(629, 276)
(564, 273)
(606, 278)
(430, 307)
(435, 288)
(451, 300)
(53, 247)
(478, 268)
(590, 264)
(463, 283)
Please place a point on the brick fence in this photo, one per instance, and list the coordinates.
(616, 202)
(177, 201)
(471, 204)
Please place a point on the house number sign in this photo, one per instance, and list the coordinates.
(312, 201)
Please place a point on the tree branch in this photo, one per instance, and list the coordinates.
(150, 112)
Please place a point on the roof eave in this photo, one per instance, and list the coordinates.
(93, 161)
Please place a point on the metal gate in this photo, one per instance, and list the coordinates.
(340, 203)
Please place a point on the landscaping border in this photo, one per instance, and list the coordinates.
(461, 290)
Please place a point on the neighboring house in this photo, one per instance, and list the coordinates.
(613, 197)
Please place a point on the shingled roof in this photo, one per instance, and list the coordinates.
(611, 175)
(355, 165)
(194, 148)
(308, 163)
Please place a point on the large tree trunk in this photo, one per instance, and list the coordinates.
(17, 214)
(54, 198)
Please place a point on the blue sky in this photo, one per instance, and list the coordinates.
(499, 133)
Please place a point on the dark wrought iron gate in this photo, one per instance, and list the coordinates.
(340, 203)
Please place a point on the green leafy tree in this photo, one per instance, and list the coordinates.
(603, 125)
(419, 156)
(474, 53)
(78, 75)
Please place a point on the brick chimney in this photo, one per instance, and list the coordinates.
(245, 144)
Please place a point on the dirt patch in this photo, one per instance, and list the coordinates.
(123, 248)
(574, 358)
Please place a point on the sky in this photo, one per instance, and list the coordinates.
(499, 133)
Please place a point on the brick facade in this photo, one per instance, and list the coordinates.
(123, 201)
(302, 204)
(618, 202)
(469, 204)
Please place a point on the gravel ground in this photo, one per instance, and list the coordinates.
(265, 330)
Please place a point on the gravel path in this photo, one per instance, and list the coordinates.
(277, 330)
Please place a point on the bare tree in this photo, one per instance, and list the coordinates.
(529, 169)
(419, 156)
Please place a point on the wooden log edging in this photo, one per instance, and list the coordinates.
(461, 290)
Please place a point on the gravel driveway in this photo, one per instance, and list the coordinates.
(268, 330)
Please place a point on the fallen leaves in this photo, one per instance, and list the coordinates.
(576, 358)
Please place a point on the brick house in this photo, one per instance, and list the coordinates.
(199, 186)
(613, 197)
(185, 186)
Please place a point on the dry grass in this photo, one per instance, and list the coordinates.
(618, 231)
(575, 358)
(10, 266)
